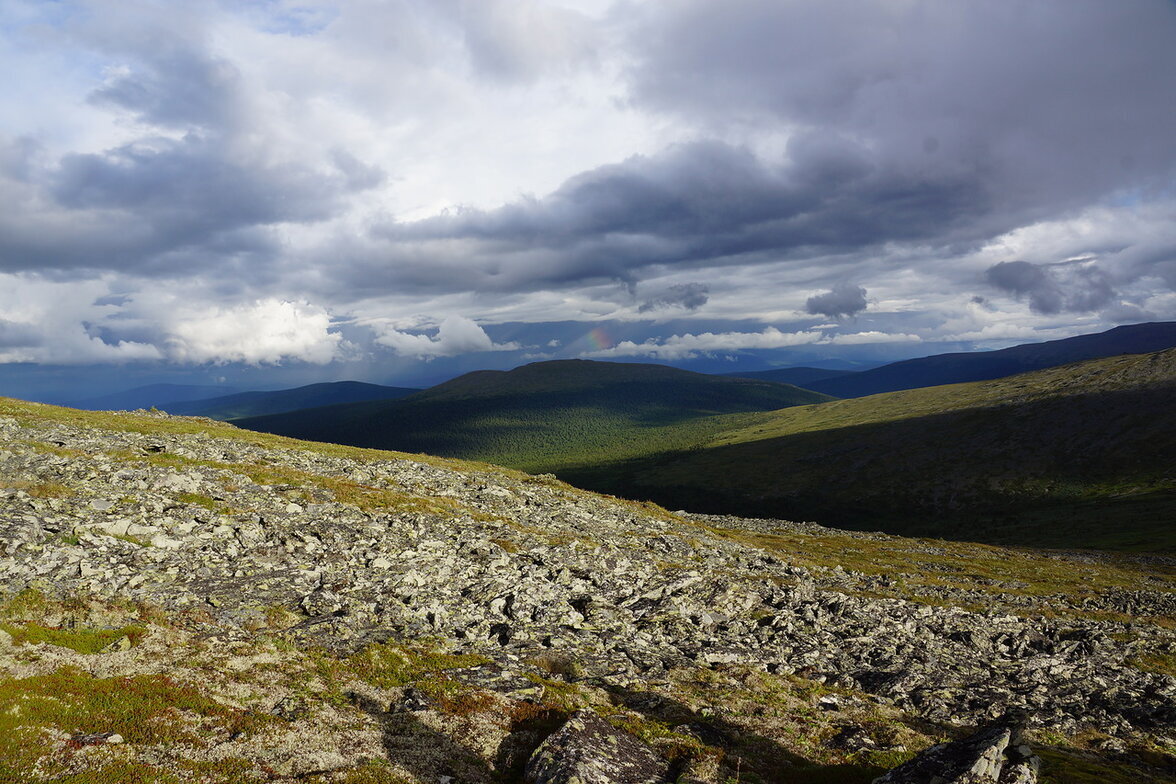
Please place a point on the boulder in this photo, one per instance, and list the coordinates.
(995, 754)
(589, 750)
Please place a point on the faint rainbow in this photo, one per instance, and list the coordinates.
(600, 339)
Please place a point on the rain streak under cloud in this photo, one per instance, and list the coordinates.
(399, 183)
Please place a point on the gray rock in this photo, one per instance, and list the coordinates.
(993, 755)
(589, 750)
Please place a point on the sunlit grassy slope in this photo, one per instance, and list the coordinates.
(546, 416)
(1079, 455)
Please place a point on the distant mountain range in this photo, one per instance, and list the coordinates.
(984, 365)
(799, 376)
(154, 395)
(545, 415)
(248, 404)
(213, 402)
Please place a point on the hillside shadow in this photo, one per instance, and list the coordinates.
(1022, 473)
(422, 750)
(753, 757)
(427, 753)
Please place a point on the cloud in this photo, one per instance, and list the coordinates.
(456, 335)
(922, 85)
(691, 345)
(524, 39)
(262, 332)
(690, 296)
(499, 161)
(844, 299)
(699, 205)
(1075, 287)
(873, 336)
(16, 334)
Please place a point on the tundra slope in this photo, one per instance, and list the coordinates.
(560, 599)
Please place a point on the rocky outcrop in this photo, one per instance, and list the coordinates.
(993, 755)
(589, 750)
(344, 549)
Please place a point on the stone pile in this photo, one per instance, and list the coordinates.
(348, 551)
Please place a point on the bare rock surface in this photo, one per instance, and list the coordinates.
(996, 754)
(589, 750)
(344, 550)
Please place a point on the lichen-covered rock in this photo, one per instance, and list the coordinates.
(589, 750)
(341, 551)
(993, 755)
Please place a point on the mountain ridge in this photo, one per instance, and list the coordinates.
(959, 367)
(540, 412)
(997, 452)
(261, 403)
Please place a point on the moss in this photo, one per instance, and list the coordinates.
(371, 772)
(144, 709)
(506, 544)
(80, 640)
(37, 489)
(1069, 766)
(561, 696)
(1162, 663)
(138, 541)
(29, 604)
(455, 697)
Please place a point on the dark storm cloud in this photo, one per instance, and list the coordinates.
(198, 181)
(701, 204)
(14, 334)
(1068, 287)
(941, 124)
(844, 299)
(1065, 99)
(690, 296)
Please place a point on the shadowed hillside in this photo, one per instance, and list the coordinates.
(545, 416)
(1077, 455)
(800, 376)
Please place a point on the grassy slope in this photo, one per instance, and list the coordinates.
(545, 416)
(248, 404)
(1080, 455)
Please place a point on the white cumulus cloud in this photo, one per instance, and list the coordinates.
(265, 331)
(456, 335)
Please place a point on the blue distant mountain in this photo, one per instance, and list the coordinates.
(154, 395)
(985, 365)
(248, 404)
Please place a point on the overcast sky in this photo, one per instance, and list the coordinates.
(299, 185)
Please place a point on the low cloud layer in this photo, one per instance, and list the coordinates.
(691, 345)
(455, 335)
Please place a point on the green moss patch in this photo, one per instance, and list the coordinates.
(80, 640)
(37, 713)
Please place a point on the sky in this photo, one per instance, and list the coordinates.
(266, 193)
